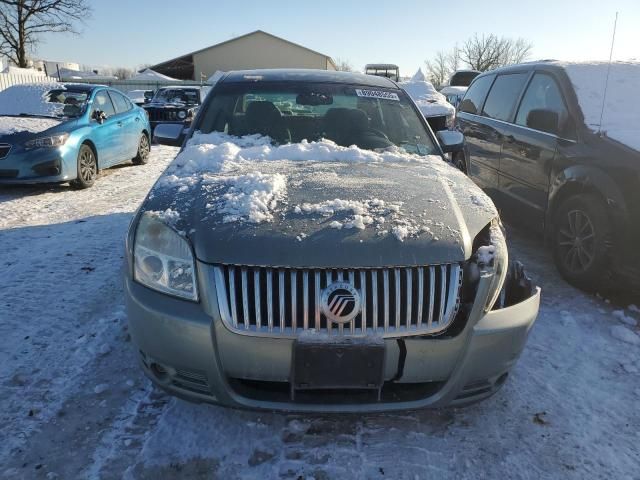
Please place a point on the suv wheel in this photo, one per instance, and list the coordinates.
(143, 150)
(87, 168)
(582, 242)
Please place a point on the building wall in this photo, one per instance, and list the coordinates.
(256, 51)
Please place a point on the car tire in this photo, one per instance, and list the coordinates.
(87, 168)
(144, 148)
(582, 242)
(459, 162)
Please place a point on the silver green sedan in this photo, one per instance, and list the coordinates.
(309, 249)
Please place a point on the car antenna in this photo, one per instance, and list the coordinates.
(606, 82)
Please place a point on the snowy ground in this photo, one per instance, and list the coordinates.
(73, 403)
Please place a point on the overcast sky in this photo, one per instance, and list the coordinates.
(405, 32)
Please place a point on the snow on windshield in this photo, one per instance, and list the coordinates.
(620, 119)
(30, 99)
(427, 98)
(240, 186)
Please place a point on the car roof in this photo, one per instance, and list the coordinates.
(525, 67)
(180, 87)
(83, 87)
(306, 75)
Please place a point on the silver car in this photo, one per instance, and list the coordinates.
(309, 249)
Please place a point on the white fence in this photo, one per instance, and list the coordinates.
(7, 79)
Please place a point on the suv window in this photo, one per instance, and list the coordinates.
(102, 102)
(476, 94)
(542, 93)
(503, 96)
(121, 103)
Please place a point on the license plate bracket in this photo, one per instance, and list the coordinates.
(328, 363)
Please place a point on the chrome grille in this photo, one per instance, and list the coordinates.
(284, 302)
(5, 148)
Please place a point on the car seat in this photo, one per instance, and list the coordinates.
(345, 125)
(264, 118)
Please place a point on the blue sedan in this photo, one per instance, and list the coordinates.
(67, 133)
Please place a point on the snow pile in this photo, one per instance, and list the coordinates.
(622, 333)
(168, 216)
(151, 75)
(30, 99)
(621, 120)
(365, 212)
(451, 90)
(252, 197)
(430, 102)
(418, 76)
(11, 125)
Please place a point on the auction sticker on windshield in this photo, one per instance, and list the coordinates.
(377, 94)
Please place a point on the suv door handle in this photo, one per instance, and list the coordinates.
(510, 139)
(119, 123)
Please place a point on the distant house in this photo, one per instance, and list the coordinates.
(254, 50)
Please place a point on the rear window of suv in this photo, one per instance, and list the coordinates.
(472, 101)
(503, 96)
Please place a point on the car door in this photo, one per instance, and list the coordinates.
(130, 127)
(105, 135)
(481, 137)
(530, 147)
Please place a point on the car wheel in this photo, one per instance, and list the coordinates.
(87, 168)
(459, 162)
(143, 150)
(582, 242)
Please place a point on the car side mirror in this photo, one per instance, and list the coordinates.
(544, 120)
(451, 141)
(171, 134)
(99, 116)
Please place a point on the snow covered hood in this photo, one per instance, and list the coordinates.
(12, 125)
(429, 100)
(621, 115)
(243, 201)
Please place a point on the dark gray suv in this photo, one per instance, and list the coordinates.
(533, 145)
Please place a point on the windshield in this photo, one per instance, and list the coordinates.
(74, 102)
(177, 95)
(368, 117)
(43, 100)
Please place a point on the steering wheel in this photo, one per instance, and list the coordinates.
(379, 133)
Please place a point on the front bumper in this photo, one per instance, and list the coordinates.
(185, 348)
(43, 165)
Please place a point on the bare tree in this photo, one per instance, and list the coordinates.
(123, 73)
(486, 52)
(438, 70)
(343, 65)
(23, 21)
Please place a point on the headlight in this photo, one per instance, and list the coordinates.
(182, 114)
(47, 142)
(451, 120)
(163, 259)
(494, 257)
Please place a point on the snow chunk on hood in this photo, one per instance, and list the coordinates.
(30, 99)
(428, 99)
(620, 120)
(252, 197)
(11, 125)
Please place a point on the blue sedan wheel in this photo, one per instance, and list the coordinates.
(87, 168)
(143, 150)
